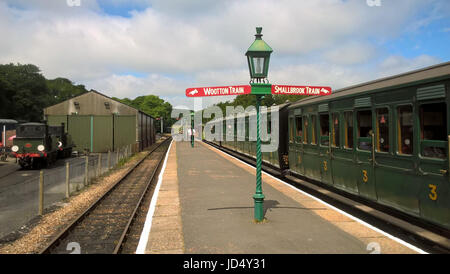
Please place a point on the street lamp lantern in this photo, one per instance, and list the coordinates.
(258, 57)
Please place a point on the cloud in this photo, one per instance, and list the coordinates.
(131, 86)
(53, 6)
(177, 44)
(350, 53)
(336, 76)
(398, 64)
(89, 45)
(435, 11)
(183, 8)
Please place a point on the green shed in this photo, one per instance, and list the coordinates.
(98, 123)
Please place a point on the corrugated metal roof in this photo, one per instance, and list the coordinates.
(101, 94)
(32, 124)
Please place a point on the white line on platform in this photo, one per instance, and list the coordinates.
(400, 241)
(151, 210)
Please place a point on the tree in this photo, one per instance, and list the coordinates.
(153, 106)
(62, 89)
(24, 92)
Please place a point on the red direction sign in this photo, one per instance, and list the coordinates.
(218, 91)
(300, 90)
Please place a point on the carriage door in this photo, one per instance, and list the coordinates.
(291, 143)
(325, 147)
(299, 134)
(433, 158)
(365, 154)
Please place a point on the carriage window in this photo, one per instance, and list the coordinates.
(229, 131)
(305, 129)
(348, 116)
(224, 126)
(314, 130)
(364, 119)
(405, 129)
(29, 131)
(336, 132)
(291, 129)
(269, 129)
(433, 130)
(240, 130)
(382, 130)
(324, 129)
(247, 129)
(298, 125)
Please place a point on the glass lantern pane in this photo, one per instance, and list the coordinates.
(258, 64)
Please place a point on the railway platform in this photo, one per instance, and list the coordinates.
(203, 205)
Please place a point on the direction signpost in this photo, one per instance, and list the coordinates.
(258, 57)
(300, 90)
(218, 91)
(242, 90)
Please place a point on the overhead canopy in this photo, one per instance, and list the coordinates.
(8, 121)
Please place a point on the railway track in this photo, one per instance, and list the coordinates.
(103, 228)
(409, 229)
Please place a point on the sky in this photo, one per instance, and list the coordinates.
(161, 47)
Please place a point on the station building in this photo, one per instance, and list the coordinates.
(98, 123)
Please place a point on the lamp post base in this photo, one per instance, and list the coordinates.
(259, 207)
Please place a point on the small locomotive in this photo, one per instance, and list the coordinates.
(38, 145)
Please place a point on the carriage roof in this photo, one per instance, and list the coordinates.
(440, 71)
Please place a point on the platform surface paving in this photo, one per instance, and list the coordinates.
(205, 205)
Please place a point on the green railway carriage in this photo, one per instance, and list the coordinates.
(386, 141)
(237, 135)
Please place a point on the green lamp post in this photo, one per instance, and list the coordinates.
(192, 129)
(258, 57)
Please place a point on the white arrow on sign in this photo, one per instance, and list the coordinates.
(193, 92)
(326, 91)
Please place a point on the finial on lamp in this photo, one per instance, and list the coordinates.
(258, 32)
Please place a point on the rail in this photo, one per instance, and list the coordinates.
(78, 220)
